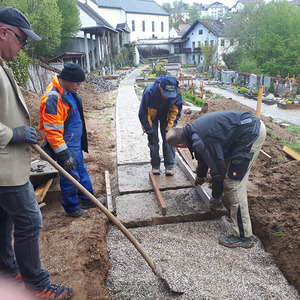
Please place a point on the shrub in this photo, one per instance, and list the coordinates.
(271, 87)
(298, 90)
(255, 93)
(242, 90)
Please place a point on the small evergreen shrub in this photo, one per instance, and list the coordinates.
(271, 87)
(242, 90)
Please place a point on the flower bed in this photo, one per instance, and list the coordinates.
(288, 106)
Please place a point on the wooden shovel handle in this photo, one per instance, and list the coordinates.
(109, 215)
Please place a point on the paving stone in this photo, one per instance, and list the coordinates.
(141, 209)
(135, 178)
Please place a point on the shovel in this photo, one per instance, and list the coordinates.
(110, 216)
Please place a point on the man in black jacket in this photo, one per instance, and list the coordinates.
(227, 143)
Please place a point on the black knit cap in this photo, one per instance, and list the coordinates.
(11, 16)
(73, 73)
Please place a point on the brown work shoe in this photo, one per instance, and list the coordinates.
(155, 170)
(170, 171)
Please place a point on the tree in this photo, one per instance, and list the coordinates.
(70, 21)
(208, 52)
(194, 13)
(268, 35)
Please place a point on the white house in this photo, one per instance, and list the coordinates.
(144, 18)
(198, 34)
(215, 10)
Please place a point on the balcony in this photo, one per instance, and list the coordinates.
(190, 50)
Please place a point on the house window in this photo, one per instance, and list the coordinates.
(231, 42)
(211, 43)
(133, 25)
(193, 45)
(143, 26)
(153, 26)
(162, 26)
(222, 42)
(199, 44)
(200, 31)
(206, 43)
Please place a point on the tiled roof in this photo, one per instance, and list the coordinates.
(214, 26)
(133, 6)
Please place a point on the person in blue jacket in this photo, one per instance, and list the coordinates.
(227, 143)
(161, 105)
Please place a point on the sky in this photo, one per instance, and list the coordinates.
(228, 3)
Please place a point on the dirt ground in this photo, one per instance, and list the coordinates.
(74, 250)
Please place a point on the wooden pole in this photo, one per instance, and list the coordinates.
(202, 85)
(259, 100)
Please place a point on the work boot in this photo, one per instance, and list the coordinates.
(169, 171)
(215, 205)
(54, 291)
(155, 170)
(86, 204)
(77, 213)
(233, 241)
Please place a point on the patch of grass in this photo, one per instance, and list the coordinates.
(293, 144)
(269, 131)
(277, 160)
(280, 230)
(188, 97)
(142, 86)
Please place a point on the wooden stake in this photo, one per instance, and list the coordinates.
(161, 202)
(108, 193)
(259, 100)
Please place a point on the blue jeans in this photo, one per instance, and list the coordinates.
(168, 151)
(68, 190)
(19, 209)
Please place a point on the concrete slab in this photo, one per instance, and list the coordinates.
(135, 178)
(141, 209)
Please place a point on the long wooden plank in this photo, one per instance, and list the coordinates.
(291, 153)
(161, 202)
(110, 206)
(203, 194)
(187, 159)
(41, 190)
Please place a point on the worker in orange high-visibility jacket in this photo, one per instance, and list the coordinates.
(63, 132)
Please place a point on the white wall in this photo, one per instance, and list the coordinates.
(148, 33)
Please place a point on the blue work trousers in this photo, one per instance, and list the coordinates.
(68, 190)
(168, 151)
(20, 211)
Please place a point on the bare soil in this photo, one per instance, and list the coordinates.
(75, 250)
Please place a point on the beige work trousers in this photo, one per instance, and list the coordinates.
(235, 193)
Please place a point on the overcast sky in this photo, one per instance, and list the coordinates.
(228, 3)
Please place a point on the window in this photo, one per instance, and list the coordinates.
(199, 44)
(143, 26)
(193, 45)
(206, 43)
(153, 26)
(231, 42)
(162, 26)
(200, 31)
(133, 25)
(222, 42)
(211, 43)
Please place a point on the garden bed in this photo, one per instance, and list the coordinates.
(288, 106)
